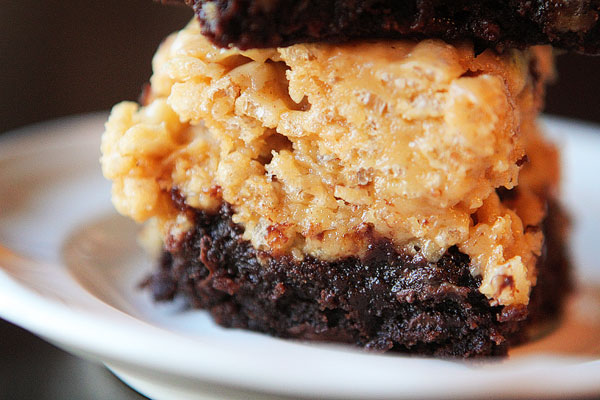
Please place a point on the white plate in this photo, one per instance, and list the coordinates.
(69, 267)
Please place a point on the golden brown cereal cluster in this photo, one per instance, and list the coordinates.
(320, 148)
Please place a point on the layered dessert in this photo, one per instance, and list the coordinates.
(395, 194)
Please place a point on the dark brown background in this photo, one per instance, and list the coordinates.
(61, 57)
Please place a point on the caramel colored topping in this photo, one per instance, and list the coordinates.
(316, 145)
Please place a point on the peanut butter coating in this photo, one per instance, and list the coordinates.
(319, 148)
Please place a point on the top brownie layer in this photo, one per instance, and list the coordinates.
(567, 24)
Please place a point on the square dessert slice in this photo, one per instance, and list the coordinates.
(392, 194)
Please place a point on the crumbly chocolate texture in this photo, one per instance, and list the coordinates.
(568, 24)
(385, 301)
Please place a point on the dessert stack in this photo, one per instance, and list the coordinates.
(363, 172)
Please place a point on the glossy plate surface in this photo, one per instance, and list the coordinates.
(70, 266)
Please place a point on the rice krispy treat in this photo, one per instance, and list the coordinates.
(415, 167)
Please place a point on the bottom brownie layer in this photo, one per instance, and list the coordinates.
(385, 301)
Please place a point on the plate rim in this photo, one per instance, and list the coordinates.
(31, 313)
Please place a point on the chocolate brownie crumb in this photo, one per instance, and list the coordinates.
(384, 301)
(568, 24)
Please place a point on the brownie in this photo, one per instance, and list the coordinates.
(567, 24)
(384, 301)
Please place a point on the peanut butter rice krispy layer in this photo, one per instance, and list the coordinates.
(396, 195)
